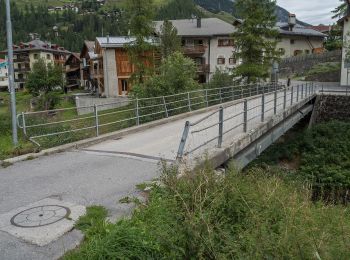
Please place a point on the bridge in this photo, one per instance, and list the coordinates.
(234, 122)
(237, 122)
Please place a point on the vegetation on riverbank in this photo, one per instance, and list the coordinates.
(268, 211)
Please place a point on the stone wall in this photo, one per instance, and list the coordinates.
(301, 64)
(331, 107)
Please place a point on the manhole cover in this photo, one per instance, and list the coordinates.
(40, 216)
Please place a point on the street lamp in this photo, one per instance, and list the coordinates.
(11, 73)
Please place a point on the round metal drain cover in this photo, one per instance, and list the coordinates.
(40, 216)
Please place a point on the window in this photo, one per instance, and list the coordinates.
(221, 61)
(36, 56)
(225, 42)
(232, 61)
(292, 41)
(48, 56)
(282, 51)
(307, 51)
(198, 42)
(124, 85)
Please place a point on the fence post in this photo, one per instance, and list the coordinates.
(96, 121)
(263, 108)
(189, 101)
(181, 150)
(285, 98)
(165, 108)
(221, 126)
(275, 102)
(302, 91)
(245, 116)
(24, 124)
(322, 89)
(292, 96)
(233, 93)
(137, 112)
(220, 93)
(241, 92)
(206, 97)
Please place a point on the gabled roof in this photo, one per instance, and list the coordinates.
(298, 30)
(38, 45)
(118, 42)
(209, 27)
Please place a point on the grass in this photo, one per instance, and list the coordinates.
(256, 215)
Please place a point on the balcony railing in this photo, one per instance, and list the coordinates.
(21, 59)
(20, 80)
(25, 69)
(203, 68)
(193, 50)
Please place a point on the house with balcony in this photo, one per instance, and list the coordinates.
(208, 42)
(4, 79)
(112, 68)
(26, 54)
(73, 69)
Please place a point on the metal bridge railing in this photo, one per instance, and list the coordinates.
(55, 127)
(233, 120)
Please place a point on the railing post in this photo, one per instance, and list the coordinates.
(302, 91)
(220, 93)
(233, 93)
(322, 89)
(275, 102)
(137, 112)
(96, 120)
(241, 91)
(189, 101)
(257, 89)
(24, 124)
(182, 145)
(165, 108)
(221, 126)
(298, 90)
(285, 98)
(206, 98)
(292, 96)
(245, 116)
(263, 108)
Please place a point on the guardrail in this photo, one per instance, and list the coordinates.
(55, 127)
(239, 118)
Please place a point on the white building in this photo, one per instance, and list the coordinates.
(208, 42)
(345, 67)
(4, 80)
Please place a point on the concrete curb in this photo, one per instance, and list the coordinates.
(114, 135)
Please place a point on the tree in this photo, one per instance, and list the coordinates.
(141, 50)
(176, 75)
(256, 39)
(170, 42)
(341, 10)
(221, 79)
(44, 78)
(334, 40)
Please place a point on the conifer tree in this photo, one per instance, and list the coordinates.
(255, 39)
(170, 42)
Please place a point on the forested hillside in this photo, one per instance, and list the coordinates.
(95, 20)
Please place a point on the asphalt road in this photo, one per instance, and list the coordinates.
(78, 177)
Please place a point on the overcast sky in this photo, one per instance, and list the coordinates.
(311, 11)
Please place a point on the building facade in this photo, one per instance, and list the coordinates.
(26, 54)
(345, 66)
(73, 68)
(4, 80)
(208, 42)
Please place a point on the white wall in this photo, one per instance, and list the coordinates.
(300, 43)
(345, 72)
(110, 73)
(216, 52)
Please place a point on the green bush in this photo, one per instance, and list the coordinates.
(204, 215)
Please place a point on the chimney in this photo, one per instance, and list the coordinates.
(292, 21)
(199, 22)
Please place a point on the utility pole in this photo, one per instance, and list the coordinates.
(11, 73)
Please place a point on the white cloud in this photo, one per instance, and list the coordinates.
(311, 11)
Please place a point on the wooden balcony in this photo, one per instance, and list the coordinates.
(22, 59)
(194, 50)
(203, 68)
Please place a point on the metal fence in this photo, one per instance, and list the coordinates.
(55, 127)
(230, 122)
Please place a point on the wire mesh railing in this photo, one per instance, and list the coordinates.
(237, 118)
(60, 126)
